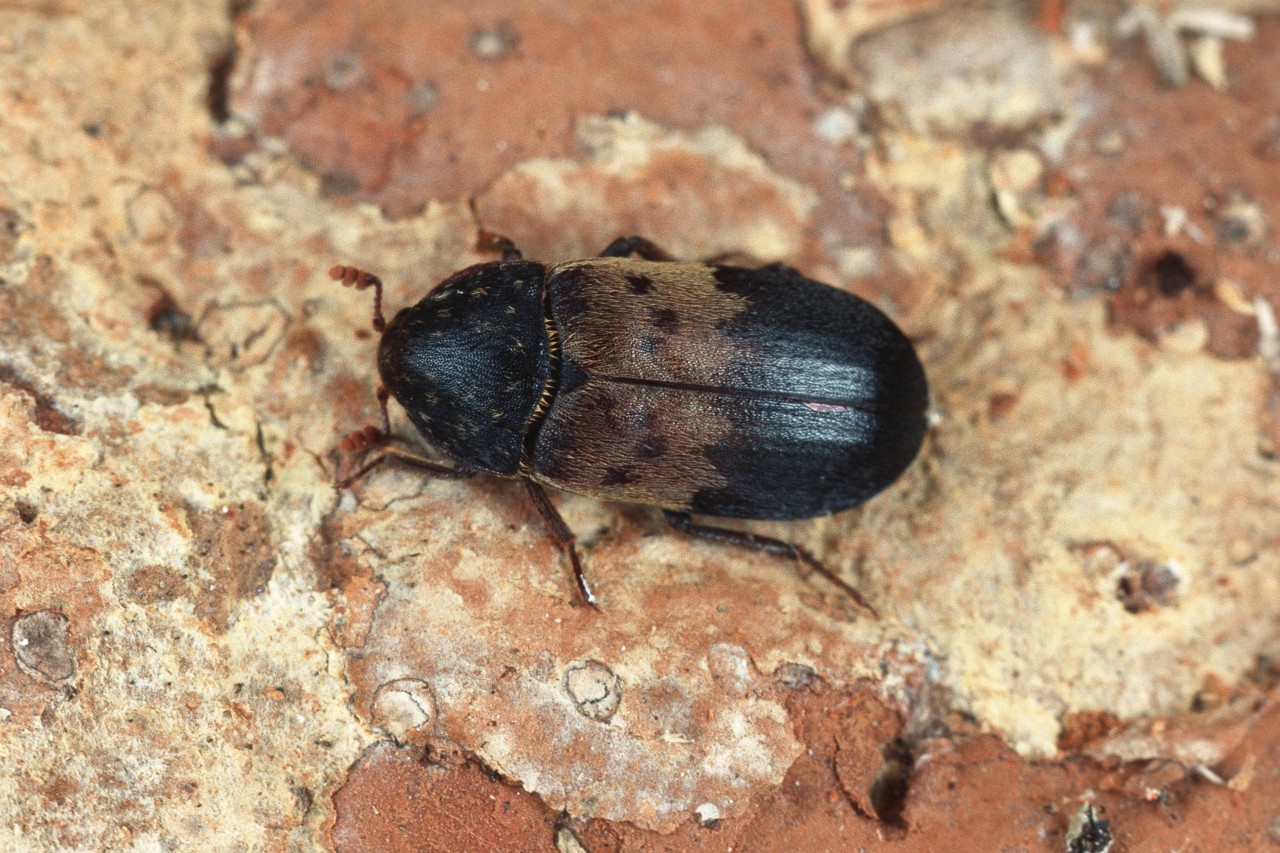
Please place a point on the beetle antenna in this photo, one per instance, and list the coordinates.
(360, 280)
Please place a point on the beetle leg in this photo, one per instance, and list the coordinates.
(624, 246)
(352, 277)
(488, 241)
(403, 457)
(682, 522)
(564, 538)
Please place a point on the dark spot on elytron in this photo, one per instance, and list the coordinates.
(652, 447)
(666, 320)
(618, 476)
(1172, 273)
(639, 283)
(571, 298)
(608, 408)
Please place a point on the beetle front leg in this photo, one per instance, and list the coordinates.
(684, 523)
(429, 467)
(564, 538)
(363, 440)
(623, 247)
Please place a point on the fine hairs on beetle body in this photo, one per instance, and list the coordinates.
(693, 387)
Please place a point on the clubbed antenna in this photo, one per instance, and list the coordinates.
(360, 280)
(362, 440)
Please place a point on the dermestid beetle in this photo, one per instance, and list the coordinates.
(693, 387)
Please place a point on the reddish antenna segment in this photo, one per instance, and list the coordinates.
(360, 280)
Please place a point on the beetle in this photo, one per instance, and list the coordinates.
(693, 387)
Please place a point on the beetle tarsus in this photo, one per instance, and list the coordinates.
(685, 524)
(564, 538)
(361, 280)
(488, 241)
(624, 247)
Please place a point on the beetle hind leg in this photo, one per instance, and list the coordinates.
(564, 538)
(685, 524)
(623, 247)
